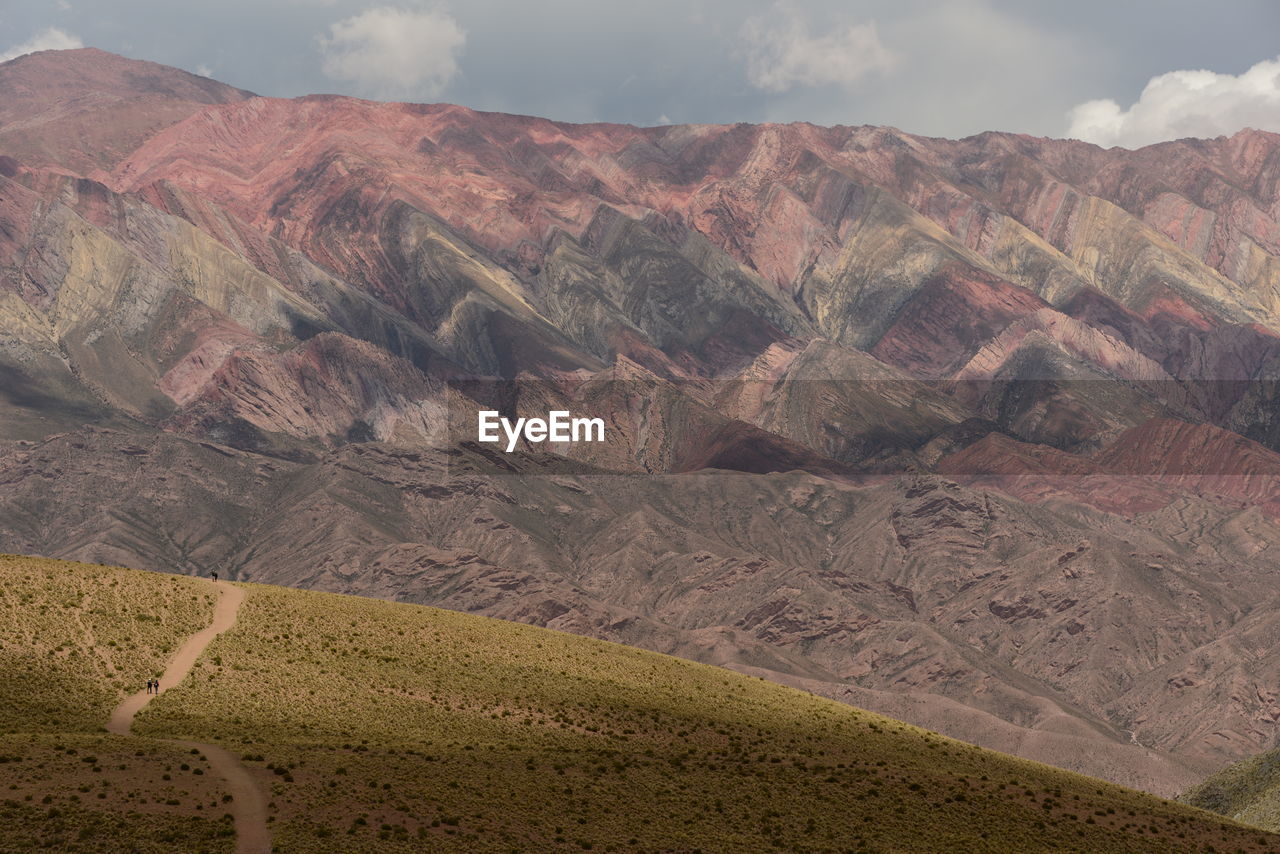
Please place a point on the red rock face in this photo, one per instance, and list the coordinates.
(1200, 458)
(1038, 473)
(83, 110)
(330, 389)
(981, 433)
(934, 333)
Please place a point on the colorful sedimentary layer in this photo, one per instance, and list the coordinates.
(981, 433)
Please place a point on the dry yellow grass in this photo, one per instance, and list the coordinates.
(74, 639)
(385, 727)
(1248, 791)
(108, 793)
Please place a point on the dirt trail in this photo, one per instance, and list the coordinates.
(248, 806)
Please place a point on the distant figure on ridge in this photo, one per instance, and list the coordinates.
(215, 576)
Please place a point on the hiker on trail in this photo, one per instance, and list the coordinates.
(215, 575)
(157, 685)
(148, 686)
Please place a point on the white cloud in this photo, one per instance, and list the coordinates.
(204, 70)
(395, 53)
(50, 39)
(782, 54)
(1184, 103)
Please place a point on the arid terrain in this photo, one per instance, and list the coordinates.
(297, 721)
(979, 434)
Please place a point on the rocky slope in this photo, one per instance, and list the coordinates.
(979, 433)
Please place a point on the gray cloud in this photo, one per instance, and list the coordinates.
(958, 66)
(782, 53)
(394, 53)
(50, 38)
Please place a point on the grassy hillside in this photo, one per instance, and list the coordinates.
(74, 639)
(384, 727)
(1248, 791)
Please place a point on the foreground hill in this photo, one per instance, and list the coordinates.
(374, 726)
(1247, 791)
(240, 333)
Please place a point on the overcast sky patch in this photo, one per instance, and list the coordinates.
(935, 67)
(388, 52)
(50, 38)
(783, 53)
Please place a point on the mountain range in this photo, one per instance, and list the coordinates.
(980, 434)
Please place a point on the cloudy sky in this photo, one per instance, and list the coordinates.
(1115, 72)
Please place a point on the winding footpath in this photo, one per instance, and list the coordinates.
(248, 806)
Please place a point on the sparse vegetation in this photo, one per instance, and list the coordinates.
(74, 641)
(380, 726)
(72, 645)
(375, 726)
(1248, 791)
